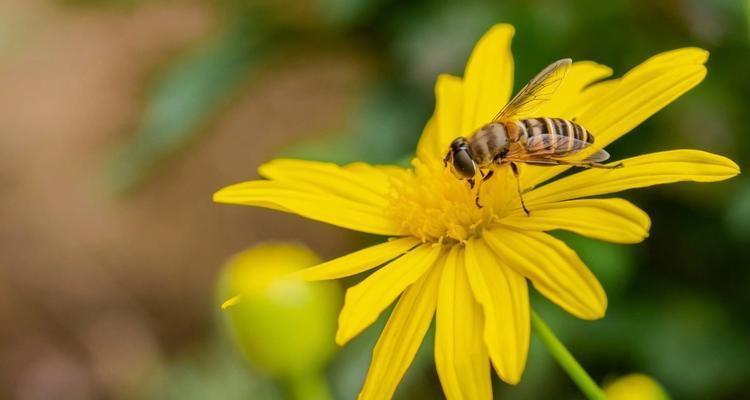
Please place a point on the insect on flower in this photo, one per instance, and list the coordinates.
(534, 141)
(469, 268)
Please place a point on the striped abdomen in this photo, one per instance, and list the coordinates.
(555, 127)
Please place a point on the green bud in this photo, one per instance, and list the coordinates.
(635, 387)
(283, 325)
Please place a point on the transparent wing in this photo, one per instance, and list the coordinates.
(536, 92)
(556, 147)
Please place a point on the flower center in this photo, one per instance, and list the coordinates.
(430, 203)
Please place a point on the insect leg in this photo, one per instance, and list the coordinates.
(545, 163)
(584, 164)
(599, 165)
(514, 167)
(581, 164)
(479, 187)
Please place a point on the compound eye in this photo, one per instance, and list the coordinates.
(463, 165)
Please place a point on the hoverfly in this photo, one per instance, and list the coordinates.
(534, 141)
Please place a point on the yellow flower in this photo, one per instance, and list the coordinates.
(468, 266)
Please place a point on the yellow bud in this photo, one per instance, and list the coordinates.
(282, 324)
(635, 387)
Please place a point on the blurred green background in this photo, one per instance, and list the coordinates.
(120, 118)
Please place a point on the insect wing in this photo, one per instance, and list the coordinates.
(599, 155)
(536, 92)
(556, 147)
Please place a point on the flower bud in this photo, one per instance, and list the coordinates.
(283, 325)
(635, 387)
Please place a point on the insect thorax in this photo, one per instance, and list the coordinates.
(489, 141)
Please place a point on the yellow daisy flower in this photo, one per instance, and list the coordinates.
(468, 266)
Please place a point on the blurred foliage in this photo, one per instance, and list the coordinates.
(213, 372)
(738, 213)
(188, 94)
(677, 303)
(613, 264)
(97, 3)
(381, 132)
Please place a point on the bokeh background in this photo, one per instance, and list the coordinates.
(120, 118)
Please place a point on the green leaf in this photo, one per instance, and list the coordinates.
(184, 98)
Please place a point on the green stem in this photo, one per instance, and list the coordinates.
(565, 359)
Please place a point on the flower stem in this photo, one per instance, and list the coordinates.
(309, 386)
(566, 360)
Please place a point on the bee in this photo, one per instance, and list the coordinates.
(543, 141)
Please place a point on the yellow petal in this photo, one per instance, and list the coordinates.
(553, 268)
(579, 77)
(402, 336)
(460, 354)
(365, 301)
(643, 91)
(641, 171)
(626, 102)
(359, 261)
(321, 206)
(429, 146)
(685, 55)
(504, 296)
(233, 301)
(376, 177)
(613, 220)
(445, 124)
(488, 78)
(359, 182)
